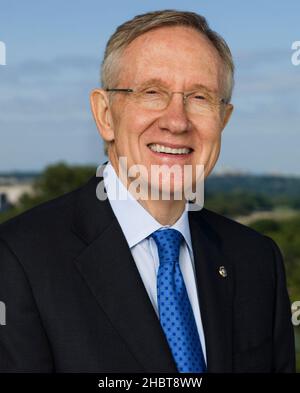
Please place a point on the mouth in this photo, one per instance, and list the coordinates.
(170, 150)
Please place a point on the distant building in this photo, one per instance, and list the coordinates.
(12, 188)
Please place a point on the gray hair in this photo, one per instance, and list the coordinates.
(141, 24)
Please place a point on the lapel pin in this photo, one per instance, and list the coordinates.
(222, 271)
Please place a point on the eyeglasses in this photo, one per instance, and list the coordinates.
(156, 98)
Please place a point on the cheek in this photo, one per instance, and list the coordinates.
(139, 121)
(209, 142)
(135, 128)
(129, 134)
(213, 142)
(132, 120)
(209, 133)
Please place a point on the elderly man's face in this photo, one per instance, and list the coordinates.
(179, 59)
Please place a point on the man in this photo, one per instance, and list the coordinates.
(143, 284)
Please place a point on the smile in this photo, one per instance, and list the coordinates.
(165, 149)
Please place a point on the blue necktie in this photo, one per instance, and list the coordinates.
(175, 311)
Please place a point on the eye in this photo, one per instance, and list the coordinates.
(199, 97)
(151, 91)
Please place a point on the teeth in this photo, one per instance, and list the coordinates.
(165, 149)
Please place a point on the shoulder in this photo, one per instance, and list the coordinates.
(237, 240)
(48, 222)
(45, 213)
(227, 228)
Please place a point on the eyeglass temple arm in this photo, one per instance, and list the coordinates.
(125, 90)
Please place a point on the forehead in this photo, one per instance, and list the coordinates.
(179, 56)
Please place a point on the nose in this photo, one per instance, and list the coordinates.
(174, 117)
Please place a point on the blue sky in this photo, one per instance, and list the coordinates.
(53, 54)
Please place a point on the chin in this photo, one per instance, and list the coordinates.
(167, 190)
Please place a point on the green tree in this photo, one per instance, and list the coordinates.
(54, 181)
(286, 235)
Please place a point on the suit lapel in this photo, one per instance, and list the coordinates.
(214, 292)
(110, 272)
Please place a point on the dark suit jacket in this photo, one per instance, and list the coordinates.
(75, 301)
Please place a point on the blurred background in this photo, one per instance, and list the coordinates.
(50, 55)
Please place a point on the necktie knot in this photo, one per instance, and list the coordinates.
(168, 244)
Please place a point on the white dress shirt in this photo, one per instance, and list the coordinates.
(137, 224)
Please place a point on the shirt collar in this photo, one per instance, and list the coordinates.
(125, 207)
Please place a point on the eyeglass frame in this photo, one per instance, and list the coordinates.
(185, 94)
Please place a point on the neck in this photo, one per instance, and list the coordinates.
(165, 212)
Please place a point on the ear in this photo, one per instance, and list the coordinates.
(226, 115)
(102, 114)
